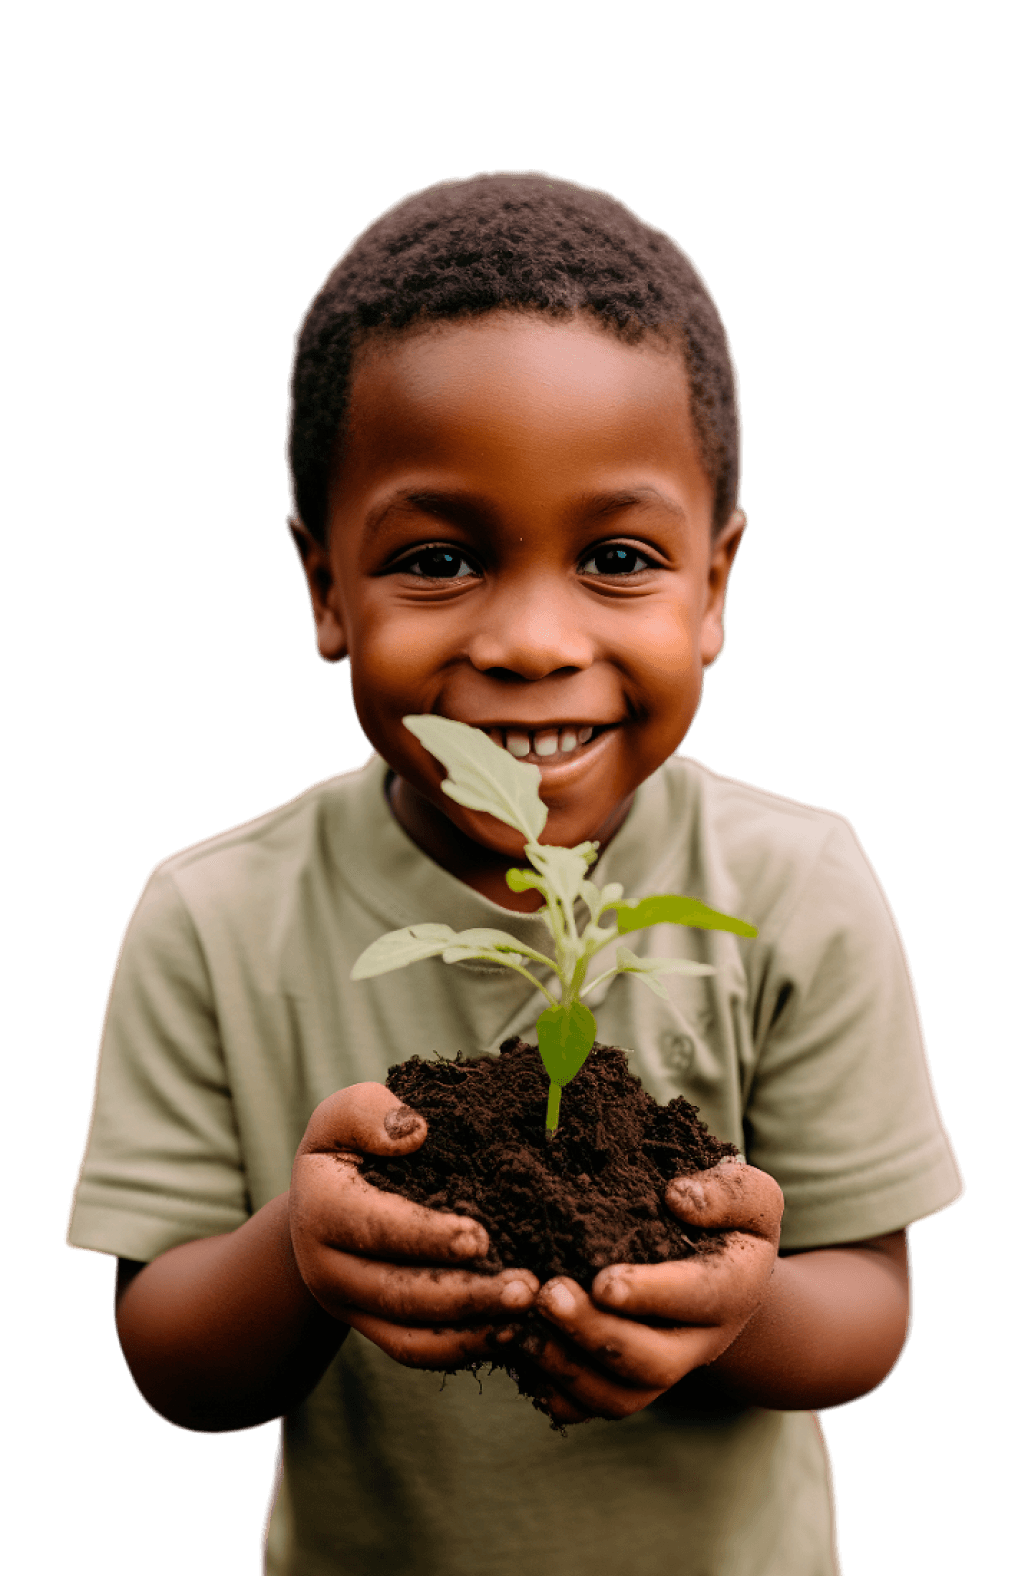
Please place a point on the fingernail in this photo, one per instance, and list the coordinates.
(471, 1242)
(613, 1289)
(516, 1294)
(507, 1334)
(559, 1300)
(401, 1121)
(688, 1192)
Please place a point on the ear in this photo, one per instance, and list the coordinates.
(321, 586)
(722, 557)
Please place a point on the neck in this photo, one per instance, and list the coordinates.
(479, 867)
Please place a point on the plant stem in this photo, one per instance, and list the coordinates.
(531, 977)
(553, 1109)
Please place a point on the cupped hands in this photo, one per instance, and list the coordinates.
(394, 1270)
(641, 1329)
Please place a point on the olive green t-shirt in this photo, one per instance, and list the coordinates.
(233, 1015)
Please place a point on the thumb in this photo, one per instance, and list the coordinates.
(731, 1196)
(365, 1119)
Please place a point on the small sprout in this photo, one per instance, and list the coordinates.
(483, 776)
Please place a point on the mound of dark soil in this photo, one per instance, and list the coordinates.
(592, 1195)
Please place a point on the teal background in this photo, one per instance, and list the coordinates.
(181, 179)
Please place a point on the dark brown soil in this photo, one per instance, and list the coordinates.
(592, 1195)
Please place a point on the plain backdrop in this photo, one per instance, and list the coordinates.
(180, 180)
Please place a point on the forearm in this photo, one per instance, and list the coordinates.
(223, 1333)
(830, 1329)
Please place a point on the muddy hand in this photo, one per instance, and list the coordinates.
(606, 1359)
(388, 1267)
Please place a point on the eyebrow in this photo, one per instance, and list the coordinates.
(626, 497)
(440, 500)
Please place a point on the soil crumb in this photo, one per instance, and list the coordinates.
(592, 1195)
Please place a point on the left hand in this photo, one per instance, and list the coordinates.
(605, 1358)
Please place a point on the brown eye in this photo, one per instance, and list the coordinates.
(615, 559)
(438, 563)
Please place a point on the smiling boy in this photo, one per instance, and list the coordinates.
(515, 462)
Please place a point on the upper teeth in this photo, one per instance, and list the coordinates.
(543, 742)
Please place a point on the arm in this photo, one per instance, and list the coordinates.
(830, 1329)
(230, 1331)
(795, 1331)
(223, 1333)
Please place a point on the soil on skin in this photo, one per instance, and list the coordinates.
(592, 1195)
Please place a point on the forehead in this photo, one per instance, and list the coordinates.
(495, 394)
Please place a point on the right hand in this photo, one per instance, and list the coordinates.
(388, 1267)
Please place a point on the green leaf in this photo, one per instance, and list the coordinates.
(524, 880)
(669, 908)
(401, 947)
(565, 1040)
(482, 775)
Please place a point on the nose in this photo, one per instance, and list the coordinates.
(533, 631)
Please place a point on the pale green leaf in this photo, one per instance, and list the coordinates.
(482, 775)
(461, 954)
(598, 899)
(590, 892)
(563, 869)
(669, 908)
(400, 947)
(652, 982)
(498, 940)
(629, 963)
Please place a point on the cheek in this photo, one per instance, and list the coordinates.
(666, 655)
(391, 654)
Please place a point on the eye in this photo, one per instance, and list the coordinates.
(614, 558)
(438, 563)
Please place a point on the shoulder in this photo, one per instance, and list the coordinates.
(771, 851)
(265, 860)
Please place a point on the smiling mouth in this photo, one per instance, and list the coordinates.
(545, 746)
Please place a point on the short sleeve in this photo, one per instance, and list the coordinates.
(840, 1110)
(163, 1163)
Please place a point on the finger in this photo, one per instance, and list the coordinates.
(547, 1394)
(409, 1295)
(331, 1205)
(731, 1196)
(636, 1354)
(709, 1289)
(562, 1410)
(560, 1372)
(418, 1346)
(365, 1119)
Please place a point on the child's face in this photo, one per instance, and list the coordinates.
(520, 538)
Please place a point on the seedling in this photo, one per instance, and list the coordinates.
(483, 776)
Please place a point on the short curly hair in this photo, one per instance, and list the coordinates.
(522, 242)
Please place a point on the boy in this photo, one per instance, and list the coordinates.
(514, 451)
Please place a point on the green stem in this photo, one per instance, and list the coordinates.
(553, 1109)
(601, 979)
(531, 977)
